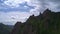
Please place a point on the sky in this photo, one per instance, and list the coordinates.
(12, 11)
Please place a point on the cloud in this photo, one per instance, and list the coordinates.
(22, 7)
(15, 3)
(37, 8)
(40, 5)
(13, 17)
(15, 14)
(30, 3)
(52, 4)
(20, 10)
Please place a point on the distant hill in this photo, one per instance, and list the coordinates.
(5, 29)
(46, 23)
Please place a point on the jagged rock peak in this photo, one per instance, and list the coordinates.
(47, 11)
(31, 16)
(40, 14)
(18, 23)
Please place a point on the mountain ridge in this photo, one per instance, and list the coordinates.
(46, 23)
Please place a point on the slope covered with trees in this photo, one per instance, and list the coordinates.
(46, 23)
(5, 29)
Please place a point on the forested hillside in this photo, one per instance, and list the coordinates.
(46, 23)
(5, 29)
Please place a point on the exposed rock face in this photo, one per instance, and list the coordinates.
(46, 23)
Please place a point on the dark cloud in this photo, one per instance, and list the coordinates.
(53, 5)
(54, 0)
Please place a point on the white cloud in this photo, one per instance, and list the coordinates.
(13, 17)
(22, 16)
(15, 3)
(36, 3)
(37, 8)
